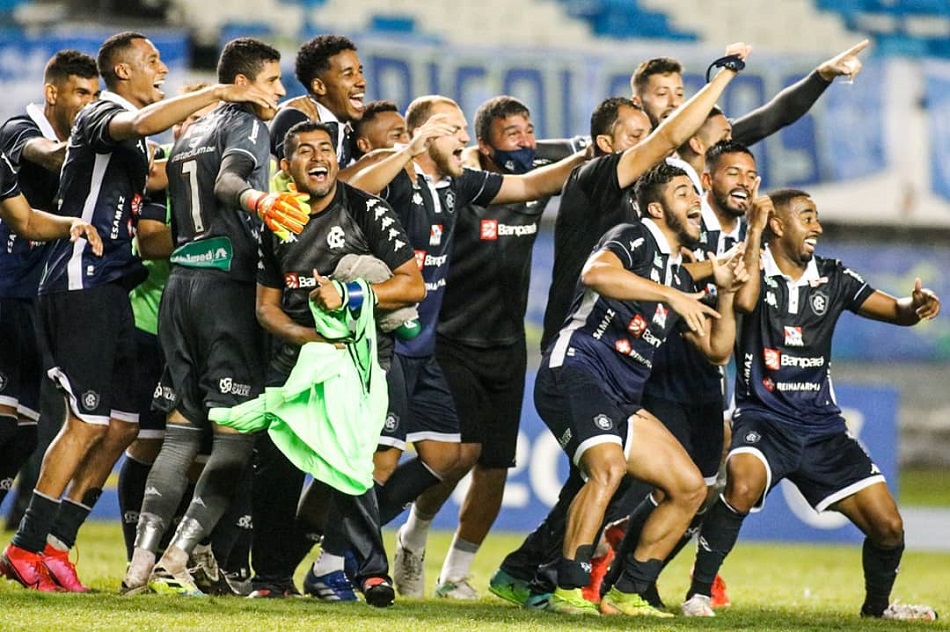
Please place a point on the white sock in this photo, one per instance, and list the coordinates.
(413, 534)
(56, 543)
(458, 561)
(327, 563)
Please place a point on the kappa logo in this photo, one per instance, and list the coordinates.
(655, 276)
(771, 300)
(336, 238)
(392, 422)
(636, 243)
(603, 422)
(793, 337)
(819, 303)
(435, 234)
(3, 381)
(417, 198)
(752, 437)
(90, 400)
(489, 230)
(564, 439)
(773, 359)
(637, 326)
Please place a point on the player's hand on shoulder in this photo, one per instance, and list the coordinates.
(82, 229)
(926, 303)
(234, 93)
(844, 64)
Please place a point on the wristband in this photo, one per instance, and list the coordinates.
(254, 198)
(729, 62)
(354, 296)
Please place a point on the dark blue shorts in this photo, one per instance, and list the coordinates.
(20, 361)
(825, 469)
(421, 407)
(148, 371)
(698, 428)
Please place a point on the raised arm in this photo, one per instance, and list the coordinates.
(757, 220)
(720, 333)
(677, 128)
(547, 180)
(793, 102)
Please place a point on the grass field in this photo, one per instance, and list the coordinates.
(773, 587)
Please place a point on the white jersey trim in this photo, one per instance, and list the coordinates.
(760, 503)
(74, 272)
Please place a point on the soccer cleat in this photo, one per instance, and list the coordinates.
(239, 583)
(26, 568)
(166, 582)
(137, 573)
(537, 601)
(273, 591)
(204, 571)
(505, 585)
(409, 570)
(458, 589)
(61, 570)
(571, 601)
(909, 612)
(698, 606)
(598, 569)
(378, 592)
(614, 533)
(330, 587)
(719, 597)
(630, 604)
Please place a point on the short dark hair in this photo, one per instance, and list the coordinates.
(715, 153)
(655, 66)
(606, 114)
(111, 52)
(650, 186)
(313, 57)
(781, 198)
(244, 56)
(371, 110)
(303, 127)
(497, 108)
(420, 110)
(70, 63)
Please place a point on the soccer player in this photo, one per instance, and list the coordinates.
(787, 423)
(344, 221)
(217, 178)
(633, 293)
(84, 305)
(381, 127)
(35, 145)
(481, 341)
(427, 188)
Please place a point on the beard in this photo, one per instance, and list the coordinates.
(445, 162)
(681, 228)
(723, 203)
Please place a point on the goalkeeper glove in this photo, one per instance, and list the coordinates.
(282, 213)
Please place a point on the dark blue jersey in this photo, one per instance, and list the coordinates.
(197, 213)
(22, 260)
(592, 203)
(428, 211)
(784, 345)
(616, 340)
(102, 181)
(681, 373)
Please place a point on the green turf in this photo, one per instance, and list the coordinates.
(924, 487)
(773, 588)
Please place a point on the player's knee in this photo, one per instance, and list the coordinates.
(888, 531)
(442, 458)
(607, 473)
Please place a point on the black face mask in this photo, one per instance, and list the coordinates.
(518, 161)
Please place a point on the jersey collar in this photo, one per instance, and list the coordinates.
(35, 112)
(108, 95)
(326, 116)
(772, 269)
(661, 243)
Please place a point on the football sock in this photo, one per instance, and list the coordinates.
(36, 523)
(416, 530)
(327, 563)
(17, 443)
(458, 561)
(230, 454)
(637, 576)
(71, 516)
(408, 481)
(638, 518)
(880, 571)
(718, 535)
(573, 573)
(131, 491)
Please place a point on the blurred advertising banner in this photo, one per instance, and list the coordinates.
(937, 77)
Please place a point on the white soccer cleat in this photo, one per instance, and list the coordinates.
(457, 589)
(409, 570)
(698, 606)
(909, 612)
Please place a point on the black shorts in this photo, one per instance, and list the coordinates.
(148, 371)
(20, 362)
(488, 388)
(213, 345)
(90, 336)
(578, 413)
(825, 469)
(697, 428)
(421, 407)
